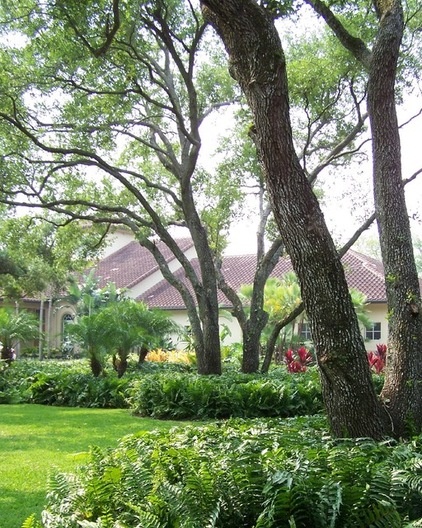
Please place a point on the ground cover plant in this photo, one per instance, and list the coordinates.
(245, 473)
(190, 396)
(69, 383)
(165, 391)
(36, 440)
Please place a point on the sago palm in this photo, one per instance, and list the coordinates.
(129, 324)
(88, 332)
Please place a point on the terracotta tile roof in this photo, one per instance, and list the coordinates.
(363, 273)
(133, 263)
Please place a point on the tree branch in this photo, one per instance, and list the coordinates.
(355, 45)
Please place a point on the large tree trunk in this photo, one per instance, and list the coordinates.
(209, 351)
(204, 320)
(402, 391)
(257, 62)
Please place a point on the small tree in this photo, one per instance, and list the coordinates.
(88, 332)
(129, 324)
(15, 327)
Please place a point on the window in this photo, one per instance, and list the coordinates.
(374, 331)
(305, 332)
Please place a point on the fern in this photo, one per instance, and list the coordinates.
(31, 522)
(329, 502)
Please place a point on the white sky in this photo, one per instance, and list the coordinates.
(345, 194)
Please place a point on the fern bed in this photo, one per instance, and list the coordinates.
(261, 473)
(36, 441)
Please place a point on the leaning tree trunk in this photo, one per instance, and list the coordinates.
(258, 317)
(257, 63)
(402, 391)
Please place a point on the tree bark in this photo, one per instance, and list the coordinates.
(258, 317)
(96, 366)
(272, 340)
(204, 321)
(206, 292)
(256, 61)
(402, 391)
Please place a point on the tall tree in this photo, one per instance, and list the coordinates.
(39, 253)
(113, 134)
(402, 392)
(326, 127)
(257, 62)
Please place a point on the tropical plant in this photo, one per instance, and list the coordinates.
(263, 474)
(89, 333)
(88, 296)
(298, 361)
(184, 395)
(378, 358)
(281, 297)
(360, 302)
(16, 326)
(129, 324)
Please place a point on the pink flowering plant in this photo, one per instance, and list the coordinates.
(377, 359)
(297, 361)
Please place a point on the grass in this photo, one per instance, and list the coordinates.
(36, 440)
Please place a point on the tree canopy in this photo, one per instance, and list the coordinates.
(102, 108)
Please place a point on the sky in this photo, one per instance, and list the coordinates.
(348, 197)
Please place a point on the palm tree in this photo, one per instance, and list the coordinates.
(89, 333)
(360, 303)
(128, 324)
(15, 327)
(88, 296)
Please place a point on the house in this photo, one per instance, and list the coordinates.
(132, 267)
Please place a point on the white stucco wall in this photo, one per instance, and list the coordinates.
(378, 314)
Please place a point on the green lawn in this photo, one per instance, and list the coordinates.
(35, 440)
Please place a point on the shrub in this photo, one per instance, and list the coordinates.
(66, 383)
(78, 390)
(260, 474)
(190, 396)
(378, 358)
(298, 361)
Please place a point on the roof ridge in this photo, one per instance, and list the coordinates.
(370, 263)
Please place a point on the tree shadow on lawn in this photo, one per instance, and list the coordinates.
(16, 506)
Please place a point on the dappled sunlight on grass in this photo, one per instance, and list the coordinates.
(36, 440)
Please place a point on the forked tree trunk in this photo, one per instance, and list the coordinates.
(257, 63)
(402, 391)
(258, 317)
